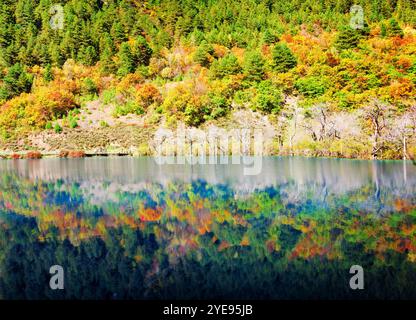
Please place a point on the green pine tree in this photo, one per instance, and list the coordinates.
(383, 30)
(117, 33)
(126, 63)
(87, 55)
(16, 81)
(283, 58)
(203, 55)
(348, 38)
(141, 52)
(269, 37)
(48, 75)
(254, 66)
(225, 66)
(394, 29)
(107, 65)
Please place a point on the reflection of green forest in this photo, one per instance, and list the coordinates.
(195, 240)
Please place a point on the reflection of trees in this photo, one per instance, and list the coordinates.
(202, 240)
(124, 174)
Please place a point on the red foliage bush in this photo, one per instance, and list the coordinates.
(76, 154)
(15, 156)
(33, 155)
(63, 154)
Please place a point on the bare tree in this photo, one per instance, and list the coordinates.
(402, 130)
(289, 121)
(320, 123)
(378, 114)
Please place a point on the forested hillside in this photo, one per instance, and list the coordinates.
(329, 86)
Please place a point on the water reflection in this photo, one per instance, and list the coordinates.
(128, 228)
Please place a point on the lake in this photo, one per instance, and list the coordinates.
(128, 228)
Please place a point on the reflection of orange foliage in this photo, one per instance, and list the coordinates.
(8, 206)
(199, 204)
(129, 220)
(239, 220)
(409, 229)
(204, 227)
(404, 245)
(271, 245)
(401, 205)
(151, 214)
(245, 241)
(223, 245)
(309, 248)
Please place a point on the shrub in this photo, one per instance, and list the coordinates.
(126, 63)
(311, 86)
(48, 125)
(73, 123)
(268, 98)
(217, 107)
(130, 107)
(394, 29)
(108, 96)
(269, 37)
(147, 94)
(89, 86)
(48, 74)
(16, 81)
(76, 154)
(141, 52)
(63, 154)
(57, 128)
(15, 156)
(33, 155)
(103, 124)
(194, 114)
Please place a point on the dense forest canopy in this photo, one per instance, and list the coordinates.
(94, 28)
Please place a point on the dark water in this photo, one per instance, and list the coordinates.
(126, 228)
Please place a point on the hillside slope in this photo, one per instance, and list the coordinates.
(329, 78)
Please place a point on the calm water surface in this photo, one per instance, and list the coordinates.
(127, 228)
